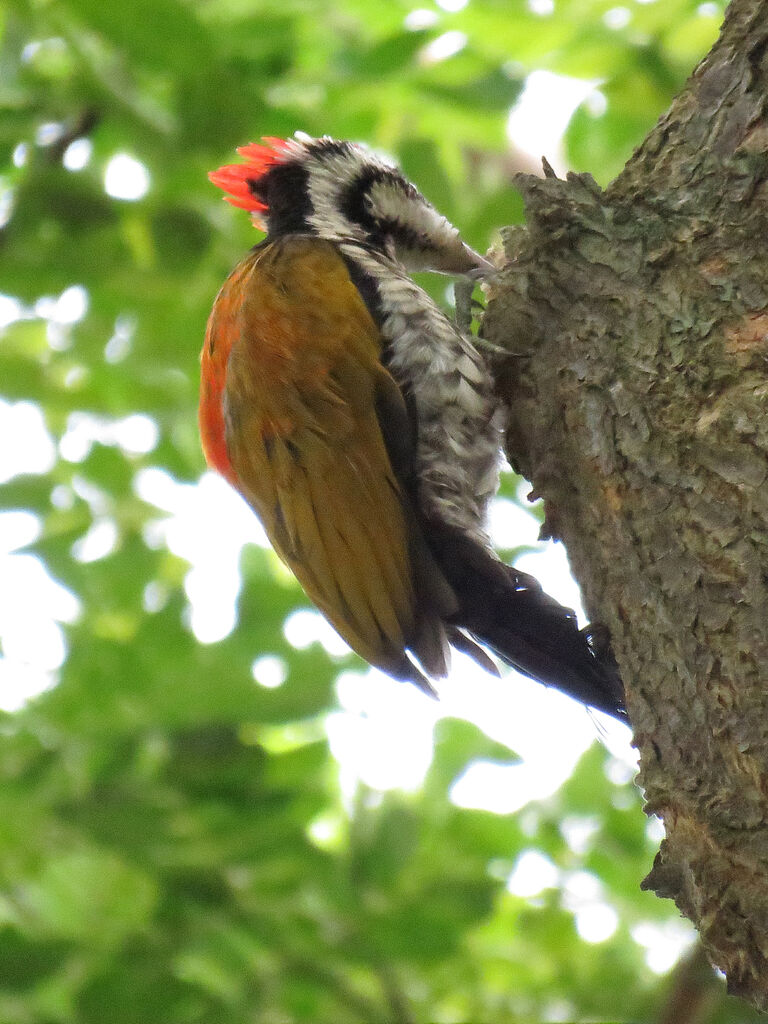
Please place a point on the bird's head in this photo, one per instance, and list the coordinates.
(340, 190)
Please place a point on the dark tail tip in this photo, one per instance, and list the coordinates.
(545, 643)
(509, 612)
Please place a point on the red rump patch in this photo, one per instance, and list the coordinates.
(236, 179)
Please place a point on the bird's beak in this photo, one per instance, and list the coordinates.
(479, 266)
(457, 261)
(472, 265)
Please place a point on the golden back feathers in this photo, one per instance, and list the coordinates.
(292, 359)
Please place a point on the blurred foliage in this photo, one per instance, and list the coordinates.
(160, 850)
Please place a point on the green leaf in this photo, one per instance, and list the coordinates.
(390, 56)
(457, 745)
(89, 895)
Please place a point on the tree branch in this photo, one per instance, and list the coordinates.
(637, 319)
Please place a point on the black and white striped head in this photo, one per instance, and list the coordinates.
(340, 190)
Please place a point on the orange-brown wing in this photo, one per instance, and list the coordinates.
(302, 383)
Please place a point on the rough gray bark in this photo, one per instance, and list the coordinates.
(637, 325)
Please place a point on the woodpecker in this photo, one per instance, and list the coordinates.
(362, 427)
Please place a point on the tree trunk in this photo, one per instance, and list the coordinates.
(636, 322)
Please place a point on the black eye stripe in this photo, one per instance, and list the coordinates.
(407, 236)
(355, 205)
(353, 199)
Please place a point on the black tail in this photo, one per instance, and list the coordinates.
(509, 612)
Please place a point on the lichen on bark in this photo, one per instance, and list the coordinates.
(635, 326)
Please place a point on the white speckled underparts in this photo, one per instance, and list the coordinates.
(459, 439)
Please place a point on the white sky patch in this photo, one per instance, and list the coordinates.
(127, 178)
(54, 44)
(383, 735)
(621, 770)
(78, 154)
(136, 434)
(121, 342)
(270, 671)
(578, 832)
(444, 46)
(617, 17)
(596, 103)
(27, 584)
(37, 453)
(11, 310)
(48, 133)
(62, 497)
(155, 597)
(533, 872)
(32, 604)
(617, 739)
(18, 528)
(541, 7)
(596, 920)
(306, 626)
(20, 683)
(74, 376)
(61, 313)
(7, 196)
(99, 501)
(213, 613)
(71, 305)
(664, 942)
(511, 526)
(541, 115)
(549, 732)
(326, 832)
(99, 541)
(420, 18)
(452, 6)
(654, 829)
(208, 525)
(44, 307)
